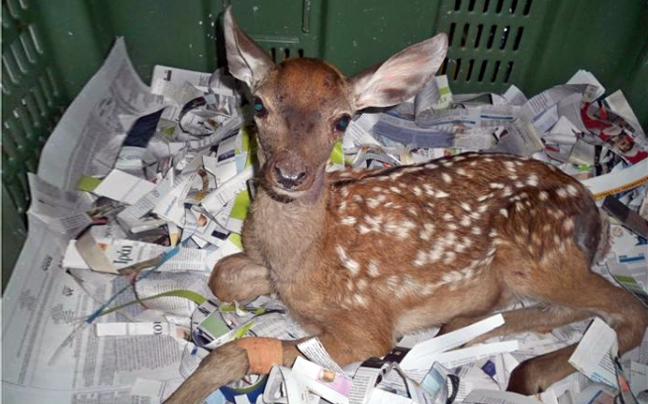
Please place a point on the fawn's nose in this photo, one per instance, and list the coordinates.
(289, 176)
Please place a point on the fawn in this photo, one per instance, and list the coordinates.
(362, 257)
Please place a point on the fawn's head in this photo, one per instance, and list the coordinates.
(302, 106)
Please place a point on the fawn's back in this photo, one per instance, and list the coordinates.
(450, 237)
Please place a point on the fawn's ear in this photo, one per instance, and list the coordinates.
(246, 60)
(400, 77)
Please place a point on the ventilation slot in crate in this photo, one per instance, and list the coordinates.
(32, 102)
(484, 51)
(280, 54)
(515, 7)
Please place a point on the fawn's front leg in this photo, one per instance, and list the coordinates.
(237, 277)
(231, 362)
(257, 355)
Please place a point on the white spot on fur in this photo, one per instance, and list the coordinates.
(436, 253)
(450, 257)
(496, 185)
(561, 192)
(400, 229)
(453, 276)
(572, 190)
(557, 214)
(568, 224)
(357, 198)
(446, 178)
(449, 239)
(396, 175)
(475, 215)
(421, 259)
(348, 221)
(543, 196)
(417, 191)
(373, 203)
(461, 172)
(395, 190)
(504, 213)
(465, 206)
(359, 299)
(465, 221)
(347, 262)
(427, 290)
(374, 222)
(441, 194)
(412, 169)
(393, 282)
(362, 284)
(372, 269)
(448, 217)
(532, 181)
(427, 231)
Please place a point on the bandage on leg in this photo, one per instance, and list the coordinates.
(262, 353)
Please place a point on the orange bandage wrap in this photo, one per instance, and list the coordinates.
(263, 353)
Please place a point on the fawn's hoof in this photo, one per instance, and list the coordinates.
(525, 379)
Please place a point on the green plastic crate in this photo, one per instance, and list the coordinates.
(50, 48)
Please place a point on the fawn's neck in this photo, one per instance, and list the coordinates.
(288, 232)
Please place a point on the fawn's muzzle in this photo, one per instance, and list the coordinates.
(289, 174)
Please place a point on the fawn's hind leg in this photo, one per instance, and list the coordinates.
(567, 281)
(539, 318)
(237, 277)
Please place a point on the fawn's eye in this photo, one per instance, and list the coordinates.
(259, 109)
(342, 123)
